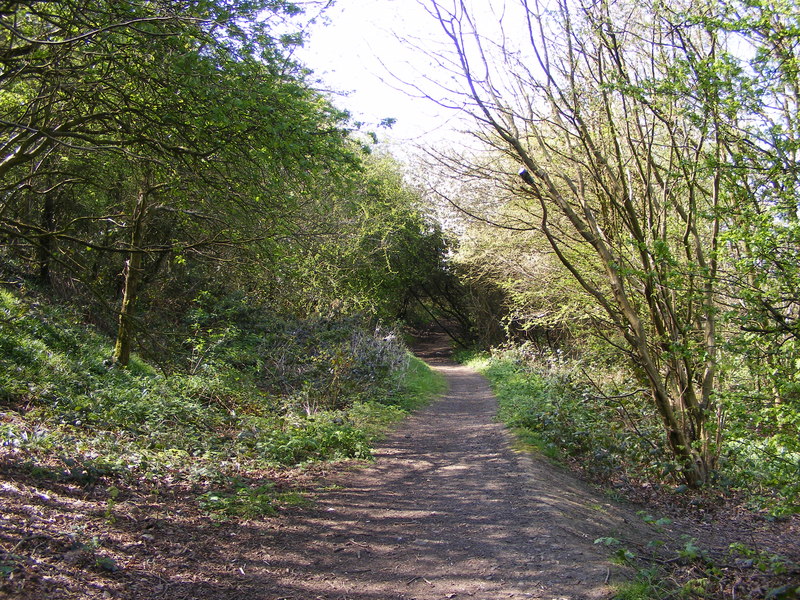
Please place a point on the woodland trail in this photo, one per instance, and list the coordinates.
(449, 510)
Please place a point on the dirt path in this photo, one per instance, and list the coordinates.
(449, 510)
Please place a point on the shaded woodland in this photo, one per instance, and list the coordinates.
(210, 273)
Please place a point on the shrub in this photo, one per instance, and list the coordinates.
(549, 397)
(269, 393)
(593, 415)
(321, 437)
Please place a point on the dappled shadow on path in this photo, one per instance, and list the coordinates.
(449, 510)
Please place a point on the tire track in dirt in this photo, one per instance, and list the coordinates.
(449, 510)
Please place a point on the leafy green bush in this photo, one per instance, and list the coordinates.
(71, 415)
(569, 408)
(321, 363)
(321, 437)
(761, 447)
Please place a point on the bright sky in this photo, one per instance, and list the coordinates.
(358, 53)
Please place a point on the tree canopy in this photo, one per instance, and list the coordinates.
(154, 146)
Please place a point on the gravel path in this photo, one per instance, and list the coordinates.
(450, 510)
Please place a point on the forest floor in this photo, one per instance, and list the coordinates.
(449, 509)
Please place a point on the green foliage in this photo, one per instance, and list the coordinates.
(608, 541)
(544, 397)
(691, 552)
(106, 564)
(558, 406)
(318, 363)
(699, 587)
(420, 384)
(647, 585)
(763, 560)
(657, 524)
(322, 436)
(74, 417)
(761, 453)
(242, 501)
(9, 564)
(697, 575)
(620, 554)
(784, 592)
(246, 165)
(377, 253)
(113, 494)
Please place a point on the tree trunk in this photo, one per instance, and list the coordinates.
(132, 273)
(46, 242)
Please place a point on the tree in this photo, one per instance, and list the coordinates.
(763, 226)
(610, 113)
(368, 247)
(184, 124)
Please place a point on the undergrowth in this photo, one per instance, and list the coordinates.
(673, 566)
(257, 392)
(551, 411)
(595, 417)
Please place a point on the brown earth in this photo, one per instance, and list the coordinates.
(448, 510)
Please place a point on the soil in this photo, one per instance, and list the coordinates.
(449, 509)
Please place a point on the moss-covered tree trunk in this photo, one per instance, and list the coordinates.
(132, 274)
